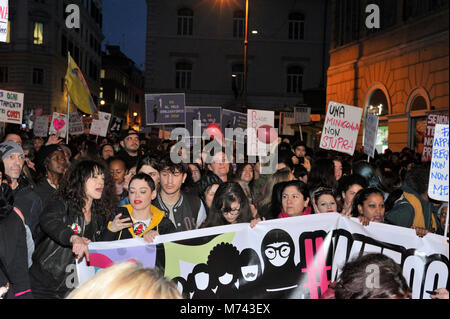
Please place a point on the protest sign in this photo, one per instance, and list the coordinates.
(99, 126)
(236, 121)
(11, 107)
(302, 114)
(340, 130)
(87, 121)
(314, 250)
(260, 131)
(75, 124)
(40, 126)
(59, 124)
(432, 120)
(116, 124)
(205, 114)
(164, 108)
(439, 182)
(370, 134)
(3, 20)
(286, 119)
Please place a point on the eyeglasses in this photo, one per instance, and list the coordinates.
(283, 251)
(232, 212)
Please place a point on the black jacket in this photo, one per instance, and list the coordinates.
(53, 251)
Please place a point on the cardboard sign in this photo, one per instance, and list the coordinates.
(59, 123)
(205, 114)
(302, 114)
(438, 185)
(286, 119)
(75, 124)
(164, 108)
(40, 126)
(100, 126)
(11, 107)
(3, 20)
(432, 120)
(260, 132)
(341, 127)
(370, 134)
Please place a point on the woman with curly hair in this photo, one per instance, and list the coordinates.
(69, 222)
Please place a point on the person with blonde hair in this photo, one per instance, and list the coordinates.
(127, 280)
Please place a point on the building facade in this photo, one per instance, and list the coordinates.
(398, 71)
(197, 47)
(34, 60)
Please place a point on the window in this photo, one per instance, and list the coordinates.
(294, 79)
(238, 24)
(38, 34)
(38, 76)
(378, 103)
(3, 74)
(183, 71)
(185, 21)
(237, 78)
(296, 26)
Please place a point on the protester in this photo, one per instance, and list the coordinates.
(220, 166)
(14, 279)
(117, 169)
(70, 221)
(294, 199)
(321, 175)
(442, 215)
(151, 166)
(338, 168)
(368, 204)
(324, 201)
(208, 185)
(301, 173)
(129, 143)
(107, 151)
(264, 198)
(196, 172)
(140, 218)
(347, 188)
(127, 280)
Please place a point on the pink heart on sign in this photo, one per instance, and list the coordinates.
(58, 124)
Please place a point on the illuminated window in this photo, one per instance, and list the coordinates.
(378, 103)
(38, 35)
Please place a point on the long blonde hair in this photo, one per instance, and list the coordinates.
(127, 280)
(282, 175)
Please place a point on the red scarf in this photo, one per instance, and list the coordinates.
(306, 211)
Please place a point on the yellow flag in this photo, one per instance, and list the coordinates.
(78, 89)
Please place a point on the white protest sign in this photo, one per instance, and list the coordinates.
(260, 131)
(3, 20)
(286, 119)
(40, 126)
(11, 107)
(341, 127)
(59, 124)
(370, 134)
(438, 184)
(100, 127)
(302, 114)
(75, 124)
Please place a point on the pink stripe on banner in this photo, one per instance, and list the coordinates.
(99, 260)
(22, 293)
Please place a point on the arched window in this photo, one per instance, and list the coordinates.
(294, 79)
(183, 74)
(296, 26)
(185, 21)
(238, 24)
(378, 103)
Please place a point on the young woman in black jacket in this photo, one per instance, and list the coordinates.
(76, 216)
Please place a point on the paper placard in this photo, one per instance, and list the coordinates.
(3, 20)
(11, 107)
(432, 120)
(258, 119)
(370, 134)
(75, 124)
(302, 114)
(40, 126)
(58, 124)
(99, 126)
(438, 184)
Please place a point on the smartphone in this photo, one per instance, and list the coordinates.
(301, 160)
(431, 292)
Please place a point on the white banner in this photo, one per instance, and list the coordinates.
(313, 248)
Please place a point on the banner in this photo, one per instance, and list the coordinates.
(340, 130)
(438, 184)
(3, 20)
(205, 114)
(40, 126)
(370, 134)
(164, 108)
(234, 120)
(100, 126)
(260, 131)
(11, 107)
(294, 257)
(432, 120)
(75, 124)
(302, 114)
(58, 124)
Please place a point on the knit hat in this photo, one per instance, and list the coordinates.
(8, 148)
(45, 151)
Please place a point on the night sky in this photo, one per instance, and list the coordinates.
(124, 24)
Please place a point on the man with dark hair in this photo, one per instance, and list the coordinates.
(129, 141)
(185, 211)
(413, 209)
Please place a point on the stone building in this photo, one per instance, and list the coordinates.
(398, 71)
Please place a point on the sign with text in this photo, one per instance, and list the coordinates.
(286, 119)
(432, 120)
(438, 185)
(40, 126)
(100, 126)
(302, 114)
(370, 134)
(234, 120)
(205, 114)
(164, 108)
(260, 132)
(3, 20)
(340, 130)
(75, 124)
(59, 124)
(116, 124)
(11, 107)
(289, 258)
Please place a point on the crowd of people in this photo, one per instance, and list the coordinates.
(56, 198)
